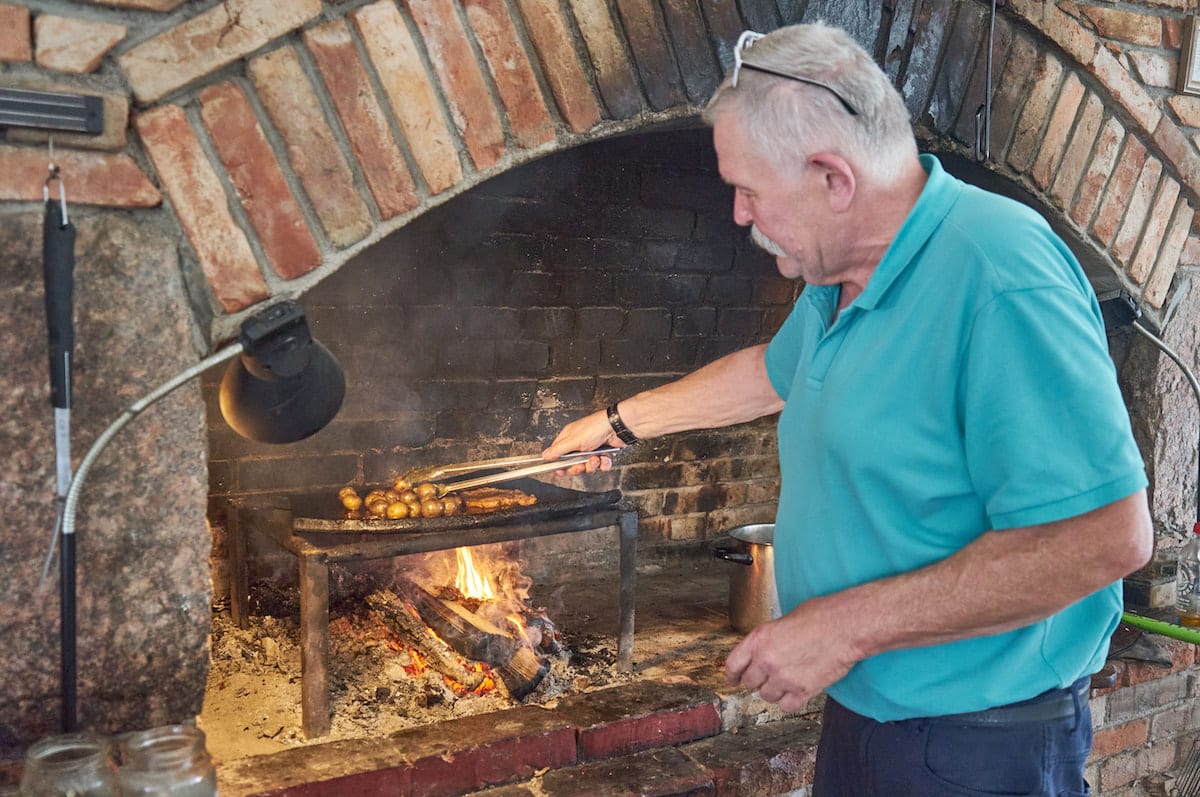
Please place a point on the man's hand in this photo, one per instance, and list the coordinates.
(585, 434)
(793, 659)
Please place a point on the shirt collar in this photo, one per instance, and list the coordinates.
(940, 193)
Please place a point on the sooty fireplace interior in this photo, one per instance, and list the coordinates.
(476, 331)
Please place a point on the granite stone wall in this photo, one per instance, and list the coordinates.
(143, 581)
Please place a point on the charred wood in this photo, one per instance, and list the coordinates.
(397, 615)
(477, 639)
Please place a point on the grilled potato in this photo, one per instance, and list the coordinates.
(405, 500)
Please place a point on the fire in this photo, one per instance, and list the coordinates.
(487, 685)
(477, 610)
(470, 582)
(518, 624)
(418, 665)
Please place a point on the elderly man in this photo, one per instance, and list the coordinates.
(960, 488)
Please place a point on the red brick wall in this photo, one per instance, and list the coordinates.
(1146, 725)
(323, 131)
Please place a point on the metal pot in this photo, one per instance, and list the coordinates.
(753, 598)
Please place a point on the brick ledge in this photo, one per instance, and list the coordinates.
(581, 735)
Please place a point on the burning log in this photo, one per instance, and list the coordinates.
(479, 640)
(397, 615)
(467, 634)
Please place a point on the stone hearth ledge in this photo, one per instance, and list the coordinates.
(688, 733)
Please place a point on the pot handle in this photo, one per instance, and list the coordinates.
(730, 555)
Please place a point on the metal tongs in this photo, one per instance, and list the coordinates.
(533, 462)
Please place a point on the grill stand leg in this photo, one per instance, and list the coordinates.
(625, 601)
(314, 645)
(239, 583)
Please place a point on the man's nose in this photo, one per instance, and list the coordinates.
(741, 213)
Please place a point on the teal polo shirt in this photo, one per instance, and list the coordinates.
(968, 388)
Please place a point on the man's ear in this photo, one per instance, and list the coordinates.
(840, 182)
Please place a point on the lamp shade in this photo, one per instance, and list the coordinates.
(284, 386)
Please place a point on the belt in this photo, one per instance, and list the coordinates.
(1056, 704)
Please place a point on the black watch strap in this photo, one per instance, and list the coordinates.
(619, 427)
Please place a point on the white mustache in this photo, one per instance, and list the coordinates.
(765, 243)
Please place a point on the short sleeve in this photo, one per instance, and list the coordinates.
(1046, 430)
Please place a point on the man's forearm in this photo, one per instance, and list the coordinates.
(733, 389)
(1004, 580)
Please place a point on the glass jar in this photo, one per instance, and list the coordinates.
(1187, 581)
(69, 765)
(169, 761)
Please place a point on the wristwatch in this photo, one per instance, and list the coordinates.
(618, 426)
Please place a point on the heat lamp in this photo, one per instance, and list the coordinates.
(283, 387)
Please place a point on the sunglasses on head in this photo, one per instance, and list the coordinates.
(746, 40)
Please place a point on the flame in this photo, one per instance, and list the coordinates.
(434, 634)
(470, 581)
(518, 623)
(488, 684)
(418, 665)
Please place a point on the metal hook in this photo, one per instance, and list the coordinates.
(983, 115)
(51, 177)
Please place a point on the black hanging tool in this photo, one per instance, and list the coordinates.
(58, 264)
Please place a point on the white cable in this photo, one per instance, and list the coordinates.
(72, 501)
(1174, 357)
(1191, 378)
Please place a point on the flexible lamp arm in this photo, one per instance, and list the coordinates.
(1120, 311)
(1191, 378)
(285, 387)
(135, 409)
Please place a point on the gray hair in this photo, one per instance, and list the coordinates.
(787, 120)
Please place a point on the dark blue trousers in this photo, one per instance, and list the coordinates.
(1037, 747)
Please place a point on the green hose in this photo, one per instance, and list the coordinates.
(1171, 630)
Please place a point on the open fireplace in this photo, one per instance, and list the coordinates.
(475, 332)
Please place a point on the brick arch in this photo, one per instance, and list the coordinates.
(425, 100)
(421, 100)
(286, 138)
(1069, 126)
